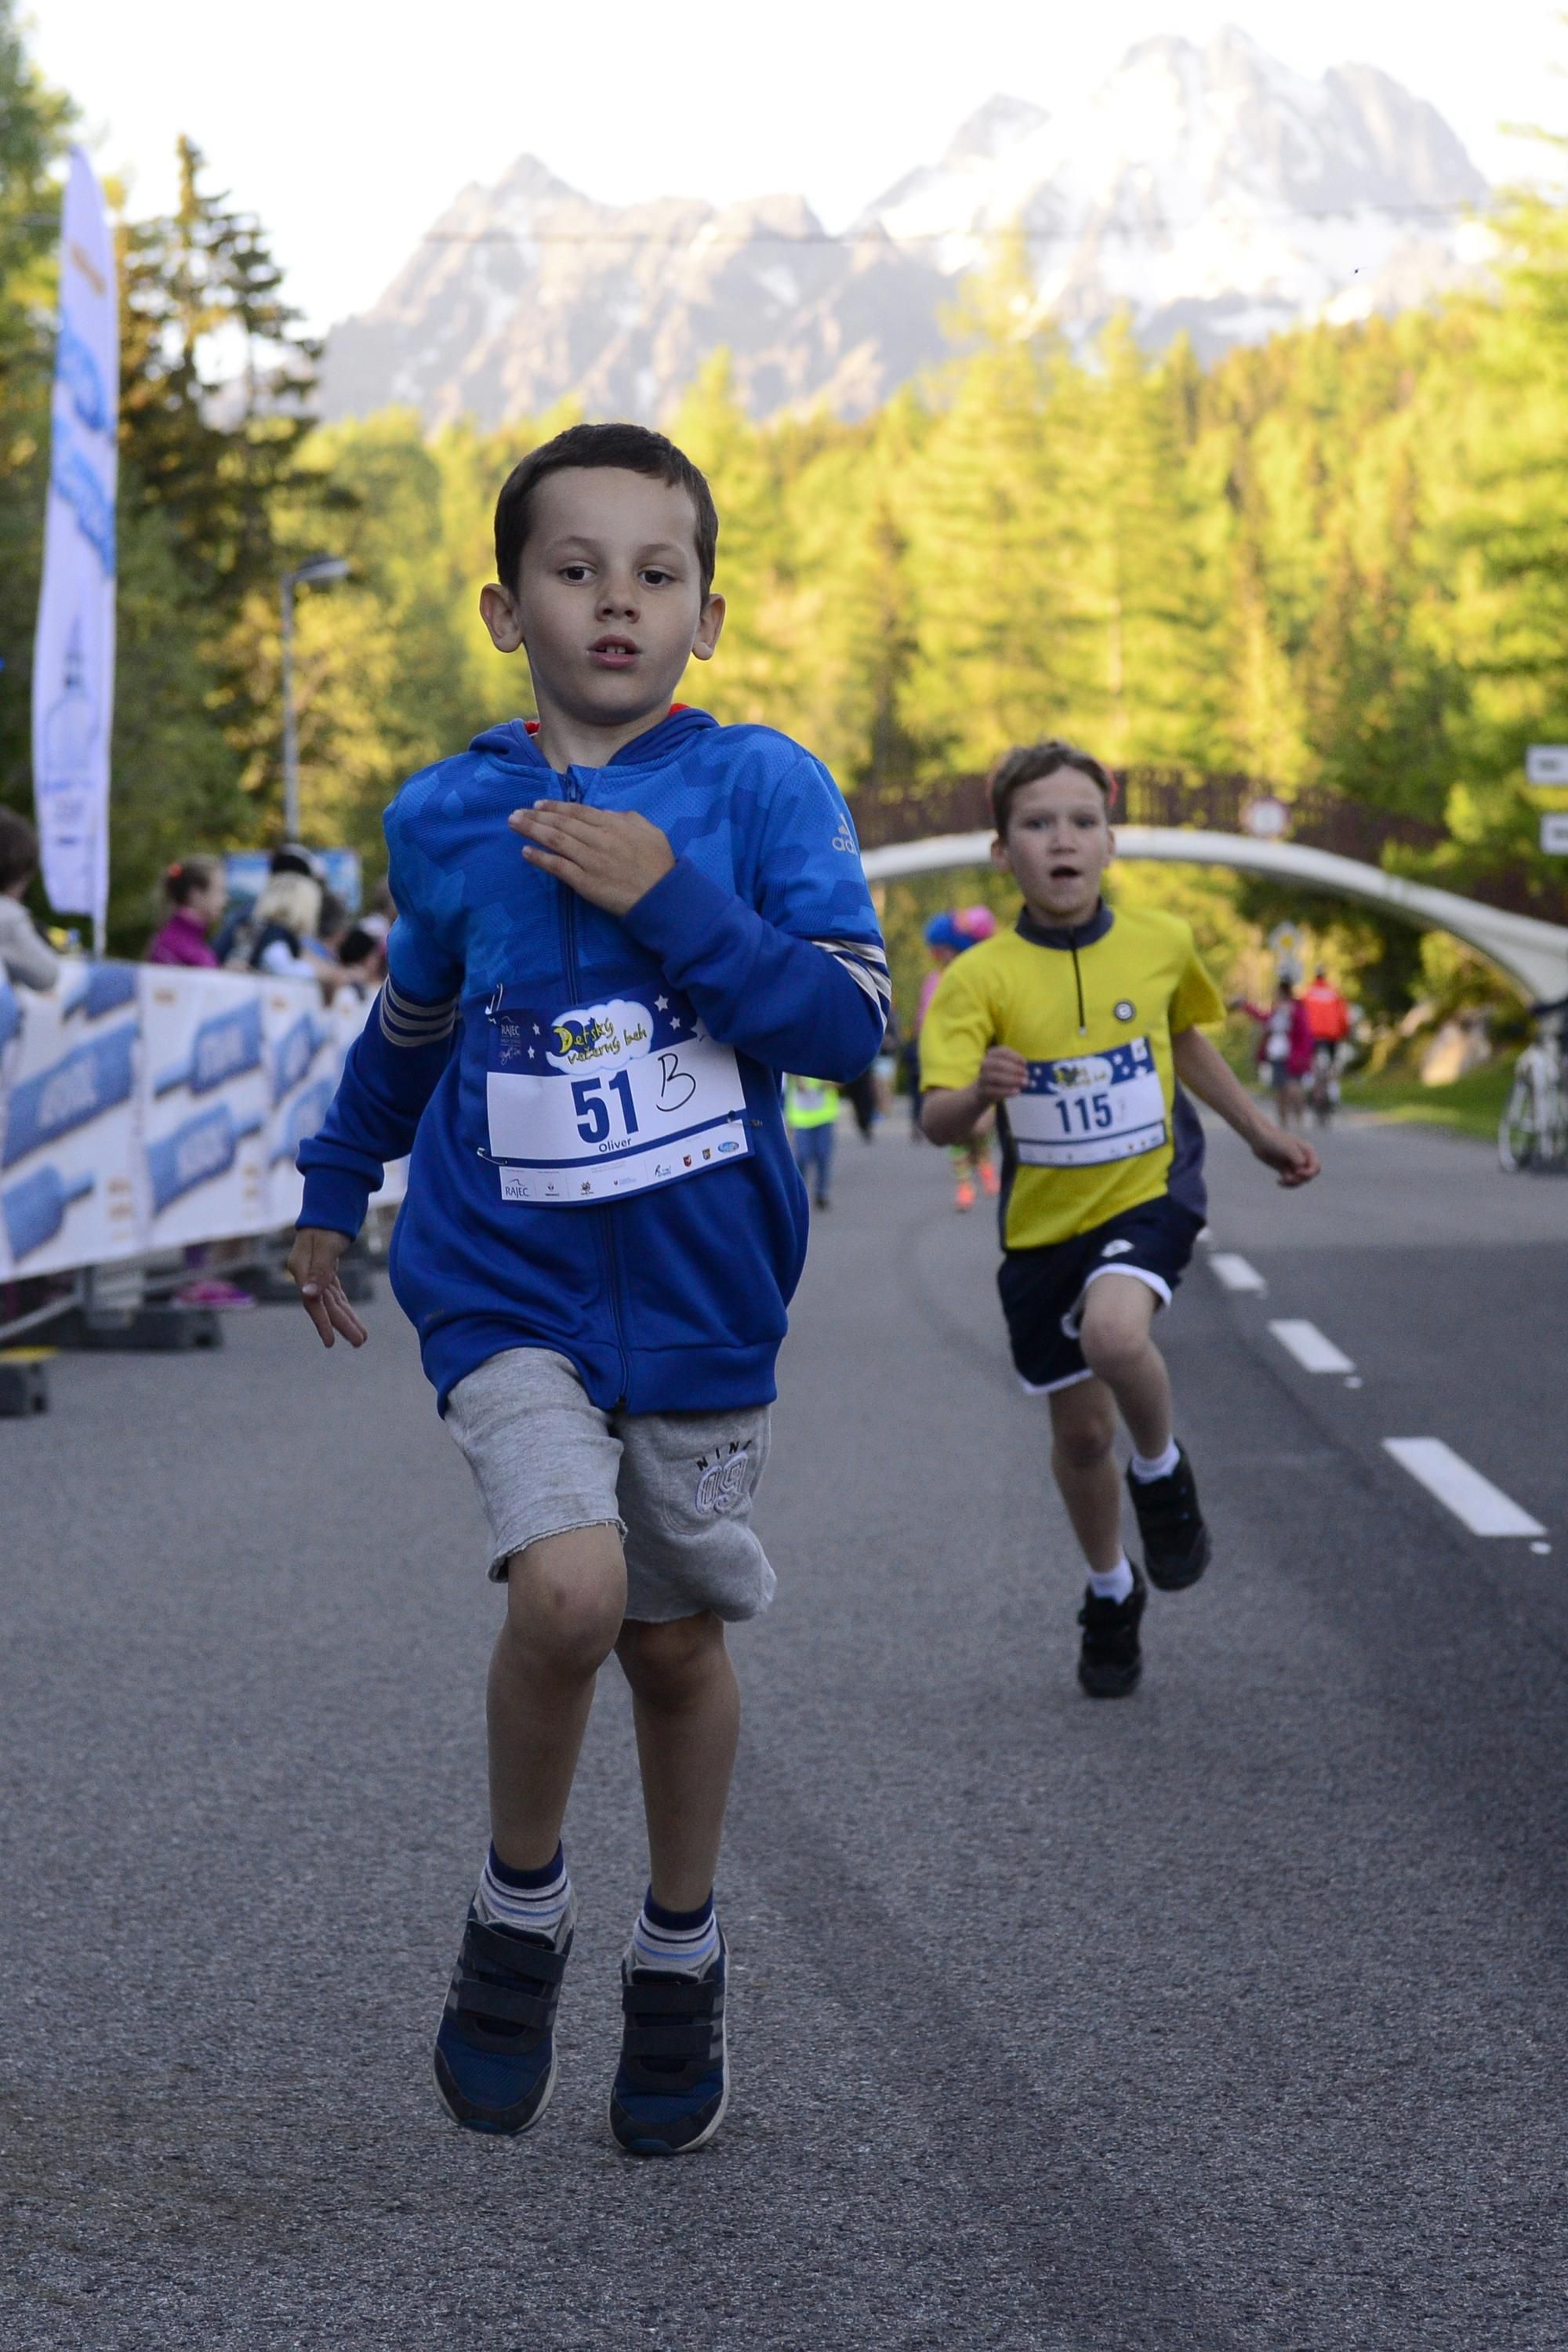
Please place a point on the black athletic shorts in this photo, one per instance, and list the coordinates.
(1043, 1289)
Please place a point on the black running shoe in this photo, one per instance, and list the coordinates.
(672, 2084)
(495, 2051)
(1177, 1545)
(1110, 1661)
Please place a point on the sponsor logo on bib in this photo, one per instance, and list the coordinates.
(620, 1030)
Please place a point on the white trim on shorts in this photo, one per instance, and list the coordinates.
(1049, 1388)
(1072, 1321)
(1154, 1282)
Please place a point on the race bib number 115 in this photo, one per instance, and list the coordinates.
(603, 1100)
(1090, 1108)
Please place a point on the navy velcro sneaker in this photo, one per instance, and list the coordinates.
(495, 2049)
(672, 2084)
(1177, 1545)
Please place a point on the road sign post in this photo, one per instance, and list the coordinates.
(1546, 776)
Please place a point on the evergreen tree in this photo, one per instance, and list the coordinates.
(217, 384)
(755, 673)
(999, 622)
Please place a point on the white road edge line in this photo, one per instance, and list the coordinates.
(1236, 1272)
(1313, 1350)
(1485, 1509)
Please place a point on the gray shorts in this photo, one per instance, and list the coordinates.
(678, 1485)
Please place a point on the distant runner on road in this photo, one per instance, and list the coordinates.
(948, 936)
(1079, 1023)
(811, 1115)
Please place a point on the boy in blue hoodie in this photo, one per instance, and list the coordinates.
(615, 928)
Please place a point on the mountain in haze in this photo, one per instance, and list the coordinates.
(1206, 190)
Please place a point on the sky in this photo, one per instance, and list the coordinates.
(348, 125)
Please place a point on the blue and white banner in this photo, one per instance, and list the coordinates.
(73, 652)
(143, 1106)
(203, 1100)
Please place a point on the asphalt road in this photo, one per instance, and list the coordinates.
(1228, 2016)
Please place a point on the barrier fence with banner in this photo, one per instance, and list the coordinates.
(144, 1106)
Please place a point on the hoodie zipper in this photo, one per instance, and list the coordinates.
(1077, 982)
(604, 1231)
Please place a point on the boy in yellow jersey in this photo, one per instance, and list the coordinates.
(1077, 1025)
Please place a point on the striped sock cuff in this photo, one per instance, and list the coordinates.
(534, 1900)
(678, 1941)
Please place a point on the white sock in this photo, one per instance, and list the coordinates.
(1116, 1584)
(1158, 1466)
(680, 1942)
(534, 1900)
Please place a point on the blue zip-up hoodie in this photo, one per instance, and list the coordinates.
(761, 938)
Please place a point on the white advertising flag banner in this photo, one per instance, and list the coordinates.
(73, 653)
(143, 1108)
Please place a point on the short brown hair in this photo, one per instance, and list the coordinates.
(632, 448)
(18, 849)
(1025, 763)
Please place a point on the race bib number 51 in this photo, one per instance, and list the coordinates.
(593, 1102)
(1090, 1108)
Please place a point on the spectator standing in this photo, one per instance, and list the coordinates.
(26, 957)
(272, 939)
(1328, 1014)
(198, 894)
(811, 1115)
(1284, 1050)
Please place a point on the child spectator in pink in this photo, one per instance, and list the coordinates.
(197, 895)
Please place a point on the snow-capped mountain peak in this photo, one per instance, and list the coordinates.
(1205, 188)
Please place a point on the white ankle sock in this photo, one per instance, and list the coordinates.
(1159, 1465)
(534, 1900)
(682, 1942)
(1116, 1584)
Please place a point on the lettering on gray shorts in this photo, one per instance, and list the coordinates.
(722, 1483)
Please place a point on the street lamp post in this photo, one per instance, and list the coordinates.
(315, 571)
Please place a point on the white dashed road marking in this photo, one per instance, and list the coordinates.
(1485, 1509)
(1236, 1272)
(1312, 1350)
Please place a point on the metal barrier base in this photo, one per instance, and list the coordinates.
(24, 1382)
(159, 1328)
(270, 1284)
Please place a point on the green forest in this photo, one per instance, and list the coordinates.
(1339, 559)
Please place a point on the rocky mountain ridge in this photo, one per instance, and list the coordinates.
(1210, 191)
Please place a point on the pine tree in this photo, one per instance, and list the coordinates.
(1000, 626)
(217, 384)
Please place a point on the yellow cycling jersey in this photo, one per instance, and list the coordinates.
(1093, 1012)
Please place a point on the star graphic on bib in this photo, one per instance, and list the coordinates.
(673, 1021)
(536, 1028)
(661, 1004)
(531, 1053)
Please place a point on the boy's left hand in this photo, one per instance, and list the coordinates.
(1291, 1156)
(612, 858)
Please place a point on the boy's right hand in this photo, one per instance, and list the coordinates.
(313, 1264)
(1002, 1074)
